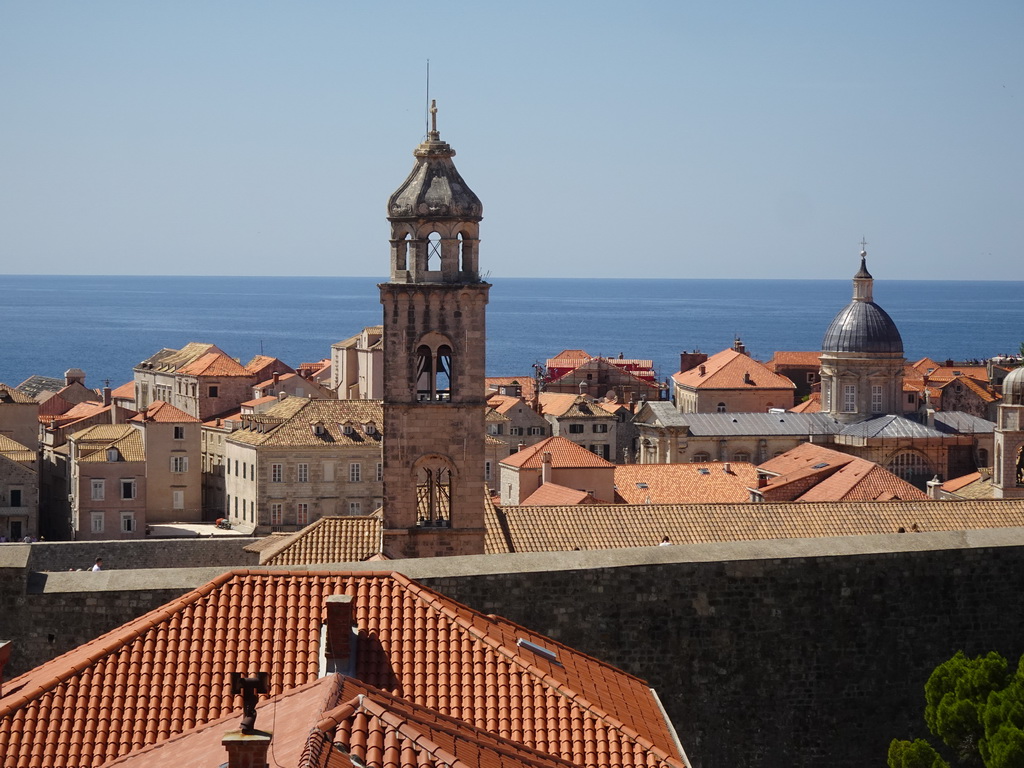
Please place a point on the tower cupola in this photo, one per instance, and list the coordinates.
(434, 218)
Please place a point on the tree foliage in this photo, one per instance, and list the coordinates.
(976, 708)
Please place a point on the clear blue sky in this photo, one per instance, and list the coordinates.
(650, 139)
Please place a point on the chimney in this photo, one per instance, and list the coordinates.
(690, 360)
(762, 481)
(746, 379)
(545, 467)
(277, 377)
(727, 468)
(338, 633)
(703, 370)
(5, 655)
(934, 488)
(247, 750)
(282, 396)
(106, 392)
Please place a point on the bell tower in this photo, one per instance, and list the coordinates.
(434, 354)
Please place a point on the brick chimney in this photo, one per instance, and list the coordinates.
(247, 750)
(338, 635)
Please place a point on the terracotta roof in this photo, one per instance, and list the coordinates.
(294, 422)
(327, 540)
(339, 722)
(729, 369)
(164, 413)
(214, 364)
(168, 671)
(977, 387)
(568, 354)
(173, 359)
(611, 526)
(977, 485)
(802, 359)
(12, 395)
(15, 451)
(863, 480)
(528, 385)
(552, 494)
(94, 441)
(564, 453)
(570, 406)
(685, 483)
(125, 392)
(959, 482)
(505, 403)
(811, 405)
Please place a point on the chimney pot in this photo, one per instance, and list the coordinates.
(703, 370)
(247, 750)
(545, 467)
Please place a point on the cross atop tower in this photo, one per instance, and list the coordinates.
(433, 119)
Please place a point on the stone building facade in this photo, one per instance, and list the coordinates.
(1008, 468)
(434, 350)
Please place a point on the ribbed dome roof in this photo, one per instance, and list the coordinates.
(862, 326)
(1013, 387)
(434, 188)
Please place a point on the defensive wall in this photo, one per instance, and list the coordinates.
(769, 653)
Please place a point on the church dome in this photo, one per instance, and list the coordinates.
(1013, 387)
(863, 326)
(434, 189)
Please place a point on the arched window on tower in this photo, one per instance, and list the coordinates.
(912, 467)
(434, 252)
(402, 252)
(434, 371)
(433, 492)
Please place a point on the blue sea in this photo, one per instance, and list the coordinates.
(106, 325)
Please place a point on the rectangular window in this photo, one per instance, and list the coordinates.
(328, 471)
(355, 508)
(276, 513)
(487, 471)
(301, 514)
(99, 490)
(876, 398)
(302, 473)
(380, 472)
(849, 398)
(127, 522)
(355, 472)
(536, 430)
(179, 499)
(600, 427)
(179, 464)
(515, 431)
(179, 433)
(276, 473)
(128, 489)
(575, 429)
(213, 391)
(15, 497)
(97, 522)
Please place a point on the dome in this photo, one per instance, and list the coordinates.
(863, 326)
(1013, 387)
(434, 188)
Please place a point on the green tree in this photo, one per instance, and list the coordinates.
(976, 707)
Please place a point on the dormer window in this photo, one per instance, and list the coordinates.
(347, 428)
(318, 429)
(370, 428)
(113, 454)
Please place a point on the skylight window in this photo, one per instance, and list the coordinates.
(540, 650)
(642, 486)
(704, 471)
(821, 465)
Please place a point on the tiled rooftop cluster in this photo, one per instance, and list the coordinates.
(168, 672)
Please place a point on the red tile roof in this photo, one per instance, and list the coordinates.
(527, 383)
(564, 453)
(214, 364)
(558, 495)
(802, 359)
(730, 369)
(685, 483)
(164, 413)
(125, 392)
(811, 405)
(168, 672)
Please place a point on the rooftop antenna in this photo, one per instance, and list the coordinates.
(426, 120)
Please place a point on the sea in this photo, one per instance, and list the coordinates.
(106, 325)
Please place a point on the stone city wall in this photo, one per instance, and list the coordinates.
(142, 553)
(796, 653)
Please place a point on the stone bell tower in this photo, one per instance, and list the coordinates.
(434, 309)
(1008, 465)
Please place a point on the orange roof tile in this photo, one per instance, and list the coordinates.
(557, 495)
(214, 364)
(811, 405)
(125, 392)
(527, 384)
(803, 359)
(863, 480)
(164, 413)
(959, 482)
(685, 483)
(168, 671)
(327, 540)
(564, 453)
(730, 369)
